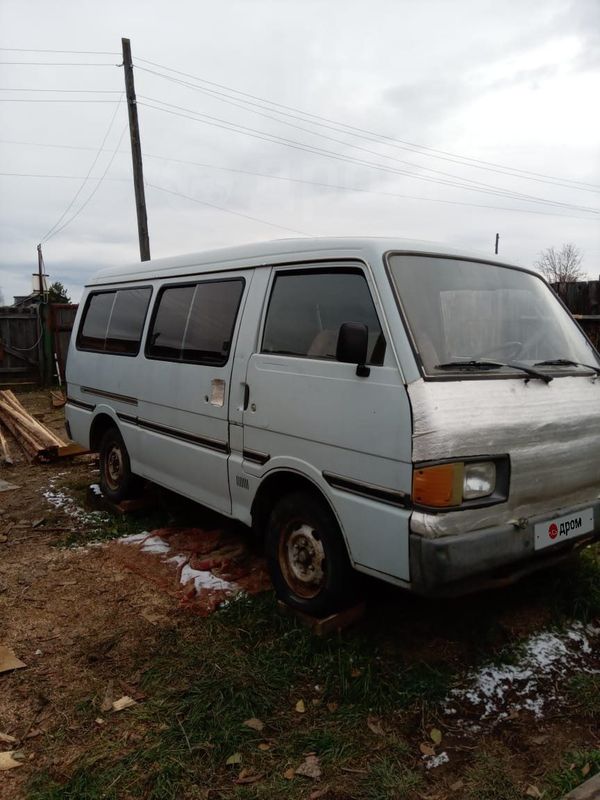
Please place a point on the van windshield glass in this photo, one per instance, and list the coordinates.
(467, 311)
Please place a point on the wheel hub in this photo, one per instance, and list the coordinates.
(114, 467)
(303, 559)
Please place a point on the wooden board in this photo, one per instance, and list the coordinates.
(144, 502)
(322, 626)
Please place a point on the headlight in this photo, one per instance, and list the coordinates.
(479, 480)
(456, 484)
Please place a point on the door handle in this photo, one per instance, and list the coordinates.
(246, 396)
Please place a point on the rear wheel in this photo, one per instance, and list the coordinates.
(307, 556)
(116, 478)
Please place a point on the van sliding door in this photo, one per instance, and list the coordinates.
(184, 404)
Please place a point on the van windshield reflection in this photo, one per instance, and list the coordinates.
(470, 317)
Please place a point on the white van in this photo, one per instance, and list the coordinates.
(402, 409)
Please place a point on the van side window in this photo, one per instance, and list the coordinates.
(306, 311)
(113, 321)
(194, 323)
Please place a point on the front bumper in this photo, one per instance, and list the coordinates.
(457, 564)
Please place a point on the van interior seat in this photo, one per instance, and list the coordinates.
(324, 345)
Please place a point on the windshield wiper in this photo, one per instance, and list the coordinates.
(566, 362)
(473, 364)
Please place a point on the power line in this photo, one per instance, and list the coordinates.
(56, 64)
(375, 153)
(226, 210)
(361, 190)
(57, 177)
(45, 144)
(363, 132)
(76, 91)
(39, 100)
(55, 228)
(96, 187)
(273, 138)
(320, 184)
(352, 159)
(248, 105)
(74, 52)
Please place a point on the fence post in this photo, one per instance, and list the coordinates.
(46, 357)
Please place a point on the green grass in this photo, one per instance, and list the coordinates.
(205, 677)
(250, 661)
(111, 526)
(575, 589)
(584, 693)
(99, 526)
(576, 768)
(489, 778)
(389, 778)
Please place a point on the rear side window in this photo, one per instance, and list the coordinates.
(307, 309)
(113, 321)
(170, 320)
(194, 323)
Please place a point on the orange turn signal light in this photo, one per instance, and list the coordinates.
(439, 486)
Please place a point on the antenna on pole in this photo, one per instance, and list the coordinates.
(497, 241)
(136, 153)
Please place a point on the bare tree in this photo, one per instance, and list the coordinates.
(560, 266)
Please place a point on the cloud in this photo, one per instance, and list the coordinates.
(481, 79)
(526, 78)
(430, 101)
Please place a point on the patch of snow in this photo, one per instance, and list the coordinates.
(432, 762)
(134, 537)
(178, 560)
(204, 579)
(154, 544)
(533, 683)
(61, 500)
(96, 489)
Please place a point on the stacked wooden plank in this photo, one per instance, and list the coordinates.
(36, 440)
(5, 457)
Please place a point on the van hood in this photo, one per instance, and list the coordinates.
(551, 433)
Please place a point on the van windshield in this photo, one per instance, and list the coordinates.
(464, 313)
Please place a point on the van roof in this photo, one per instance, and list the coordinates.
(279, 251)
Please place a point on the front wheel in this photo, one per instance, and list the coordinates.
(117, 481)
(307, 556)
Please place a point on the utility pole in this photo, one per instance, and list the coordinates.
(136, 153)
(45, 348)
(497, 241)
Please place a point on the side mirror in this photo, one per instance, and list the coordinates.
(352, 346)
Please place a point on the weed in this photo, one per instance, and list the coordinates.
(576, 588)
(391, 779)
(584, 692)
(576, 767)
(489, 778)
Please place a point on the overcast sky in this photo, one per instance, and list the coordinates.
(514, 84)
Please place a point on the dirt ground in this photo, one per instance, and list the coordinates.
(71, 614)
(88, 628)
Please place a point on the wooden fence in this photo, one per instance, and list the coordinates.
(20, 345)
(62, 317)
(583, 301)
(33, 348)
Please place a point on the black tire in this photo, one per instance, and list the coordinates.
(116, 478)
(307, 556)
